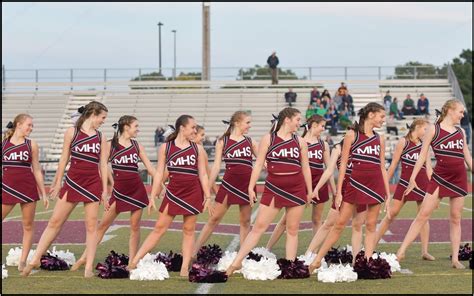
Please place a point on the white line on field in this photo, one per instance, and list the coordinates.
(37, 213)
(446, 204)
(205, 288)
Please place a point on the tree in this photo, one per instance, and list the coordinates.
(263, 73)
(419, 70)
(462, 67)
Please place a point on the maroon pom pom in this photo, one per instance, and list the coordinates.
(338, 256)
(114, 267)
(292, 269)
(202, 274)
(49, 262)
(372, 268)
(208, 255)
(172, 261)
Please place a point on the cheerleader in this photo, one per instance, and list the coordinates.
(408, 150)
(128, 193)
(449, 177)
(318, 156)
(358, 216)
(288, 184)
(236, 149)
(368, 183)
(21, 178)
(85, 145)
(184, 194)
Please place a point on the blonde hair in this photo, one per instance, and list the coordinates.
(413, 125)
(236, 117)
(450, 104)
(20, 118)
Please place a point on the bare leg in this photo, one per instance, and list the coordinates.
(135, 218)
(6, 209)
(189, 228)
(316, 217)
(61, 212)
(370, 229)
(244, 219)
(395, 208)
(277, 232)
(358, 219)
(430, 203)
(293, 215)
(28, 217)
(323, 231)
(425, 238)
(455, 216)
(91, 210)
(265, 216)
(219, 211)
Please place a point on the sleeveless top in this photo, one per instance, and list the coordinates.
(410, 154)
(365, 151)
(448, 147)
(238, 155)
(283, 156)
(315, 157)
(85, 150)
(125, 160)
(16, 157)
(182, 163)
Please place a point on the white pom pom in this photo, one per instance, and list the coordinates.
(67, 256)
(14, 254)
(392, 260)
(148, 270)
(4, 272)
(265, 269)
(226, 261)
(308, 258)
(337, 273)
(264, 252)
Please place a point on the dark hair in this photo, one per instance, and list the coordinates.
(287, 112)
(93, 107)
(313, 119)
(123, 121)
(363, 113)
(20, 118)
(181, 121)
(413, 125)
(236, 117)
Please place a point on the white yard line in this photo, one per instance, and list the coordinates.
(446, 204)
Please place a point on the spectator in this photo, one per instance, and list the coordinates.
(159, 138)
(329, 103)
(466, 126)
(408, 106)
(341, 90)
(391, 126)
(347, 98)
(273, 62)
(290, 97)
(314, 95)
(332, 116)
(423, 105)
(326, 94)
(387, 100)
(394, 109)
(329, 141)
(344, 109)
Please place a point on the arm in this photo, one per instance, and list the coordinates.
(396, 157)
(429, 166)
(328, 172)
(262, 153)
(327, 160)
(306, 169)
(346, 147)
(65, 154)
(384, 176)
(37, 172)
(149, 167)
(156, 186)
(467, 154)
(104, 157)
(217, 163)
(203, 177)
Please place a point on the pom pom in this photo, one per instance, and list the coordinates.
(337, 256)
(337, 273)
(115, 266)
(172, 261)
(254, 257)
(226, 261)
(202, 274)
(392, 261)
(374, 268)
(264, 252)
(465, 253)
(309, 258)
(14, 254)
(50, 262)
(148, 270)
(292, 269)
(66, 256)
(4, 272)
(209, 255)
(262, 269)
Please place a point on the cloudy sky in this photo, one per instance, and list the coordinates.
(125, 35)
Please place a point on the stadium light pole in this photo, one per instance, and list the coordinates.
(159, 46)
(174, 62)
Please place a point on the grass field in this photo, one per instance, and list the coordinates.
(427, 277)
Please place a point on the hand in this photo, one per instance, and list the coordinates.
(105, 200)
(387, 207)
(151, 205)
(309, 198)
(45, 202)
(207, 205)
(252, 196)
(410, 187)
(54, 190)
(316, 193)
(338, 200)
(215, 188)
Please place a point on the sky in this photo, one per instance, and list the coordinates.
(125, 35)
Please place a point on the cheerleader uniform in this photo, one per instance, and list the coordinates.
(18, 181)
(83, 182)
(449, 174)
(287, 190)
(316, 164)
(238, 160)
(410, 155)
(184, 195)
(129, 193)
(366, 184)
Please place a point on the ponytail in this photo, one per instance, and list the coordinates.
(287, 112)
(450, 104)
(181, 121)
(236, 117)
(363, 113)
(11, 126)
(119, 128)
(411, 127)
(93, 108)
(309, 123)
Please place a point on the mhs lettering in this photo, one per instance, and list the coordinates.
(374, 150)
(22, 155)
(287, 153)
(458, 144)
(318, 154)
(413, 156)
(94, 148)
(245, 152)
(132, 158)
(188, 160)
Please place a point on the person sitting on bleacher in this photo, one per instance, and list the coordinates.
(409, 106)
(325, 94)
(332, 116)
(423, 105)
(387, 100)
(394, 109)
(314, 95)
(391, 125)
(290, 97)
(347, 100)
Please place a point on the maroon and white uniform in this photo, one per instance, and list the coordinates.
(284, 157)
(18, 182)
(449, 174)
(184, 195)
(129, 193)
(83, 182)
(316, 164)
(409, 156)
(238, 169)
(366, 184)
